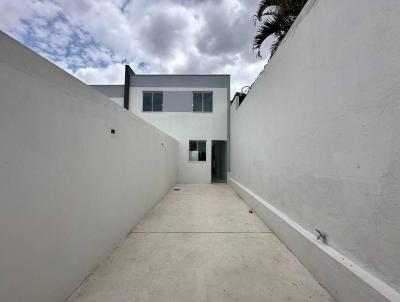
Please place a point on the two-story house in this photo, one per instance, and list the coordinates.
(193, 109)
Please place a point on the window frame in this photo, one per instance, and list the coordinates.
(197, 149)
(152, 100)
(202, 101)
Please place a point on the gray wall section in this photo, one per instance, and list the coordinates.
(114, 92)
(177, 101)
(201, 81)
(69, 190)
(318, 137)
(111, 91)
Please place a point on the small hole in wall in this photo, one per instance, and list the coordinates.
(112, 131)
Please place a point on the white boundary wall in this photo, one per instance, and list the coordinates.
(316, 145)
(69, 189)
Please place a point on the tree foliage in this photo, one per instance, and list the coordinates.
(274, 18)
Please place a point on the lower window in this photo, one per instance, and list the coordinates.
(197, 150)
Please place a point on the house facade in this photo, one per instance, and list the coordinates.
(193, 109)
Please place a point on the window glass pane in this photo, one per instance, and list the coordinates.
(193, 155)
(192, 145)
(147, 101)
(207, 102)
(202, 150)
(197, 102)
(157, 101)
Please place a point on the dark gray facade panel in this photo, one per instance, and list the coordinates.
(128, 74)
(111, 91)
(177, 101)
(205, 81)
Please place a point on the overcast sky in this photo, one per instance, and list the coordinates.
(93, 39)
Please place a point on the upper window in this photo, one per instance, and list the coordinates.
(153, 101)
(197, 150)
(202, 102)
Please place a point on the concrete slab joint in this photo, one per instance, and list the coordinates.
(201, 244)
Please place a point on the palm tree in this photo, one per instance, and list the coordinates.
(275, 18)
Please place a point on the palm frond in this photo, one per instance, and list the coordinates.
(263, 5)
(276, 17)
(275, 45)
(277, 24)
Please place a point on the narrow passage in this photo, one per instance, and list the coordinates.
(201, 244)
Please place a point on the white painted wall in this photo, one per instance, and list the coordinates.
(69, 190)
(185, 126)
(317, 138)
(118, 101)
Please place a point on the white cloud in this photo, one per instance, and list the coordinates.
(112, 74)
(93, 39)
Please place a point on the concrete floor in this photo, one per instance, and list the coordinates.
(201, 244)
